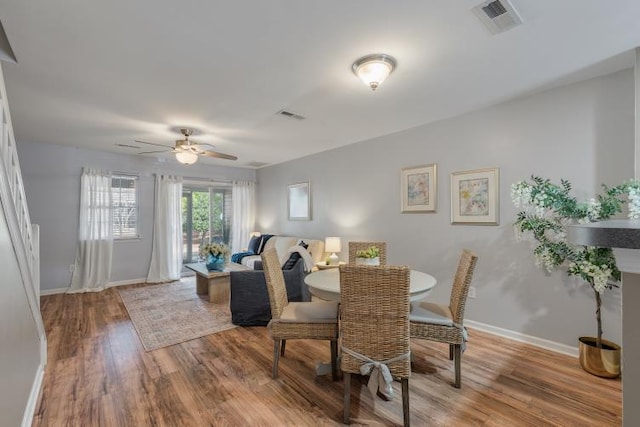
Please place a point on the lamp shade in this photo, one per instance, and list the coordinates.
(332, 244)
(374, 69)
(186, 157)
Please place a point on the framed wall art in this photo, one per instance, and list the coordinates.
(475, 197)
(299, 201)
(418, 188)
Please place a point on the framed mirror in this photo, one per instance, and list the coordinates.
(299, 201)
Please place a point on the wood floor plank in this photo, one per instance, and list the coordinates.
(99, 374)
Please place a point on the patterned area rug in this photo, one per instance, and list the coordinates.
(172, 313)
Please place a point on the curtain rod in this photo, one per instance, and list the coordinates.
(205, 180)
(190, 178)
(228, 181)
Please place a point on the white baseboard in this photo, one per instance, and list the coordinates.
(126, 282)
(528, 339)
(43, 349)
(56, 291)
(44, 292)
(27, 419)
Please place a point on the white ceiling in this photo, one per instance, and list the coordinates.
(98, 73)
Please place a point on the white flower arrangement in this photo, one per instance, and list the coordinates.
(215, 249)
(633, 193)
(548, 208)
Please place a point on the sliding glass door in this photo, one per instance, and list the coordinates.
(206, 217)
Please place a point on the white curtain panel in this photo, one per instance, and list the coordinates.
(166, 252)
(243, 194)
(95, 234)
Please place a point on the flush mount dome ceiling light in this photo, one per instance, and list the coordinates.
(186, 157)
(374, 69)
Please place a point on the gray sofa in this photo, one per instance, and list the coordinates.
(250, 299)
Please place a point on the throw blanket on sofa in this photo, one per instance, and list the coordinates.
(304, 254)
(237, 257)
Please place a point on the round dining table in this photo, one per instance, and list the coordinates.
(325, 284)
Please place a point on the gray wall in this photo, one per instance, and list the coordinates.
(51, 175)
(582, 132)
(20, 349)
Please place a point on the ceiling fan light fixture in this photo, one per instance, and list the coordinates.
(374, 69)
(186, 151)
(187, 157)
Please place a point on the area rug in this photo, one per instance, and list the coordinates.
(172, 313)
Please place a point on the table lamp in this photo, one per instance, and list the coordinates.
(332, 244)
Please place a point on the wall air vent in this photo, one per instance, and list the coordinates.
(497, 15)
(290, 115)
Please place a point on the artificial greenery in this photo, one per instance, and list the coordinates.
(370, 252)
(549, 208)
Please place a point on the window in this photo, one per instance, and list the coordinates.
(124, 195)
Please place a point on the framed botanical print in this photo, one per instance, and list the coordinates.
(418, 188)
(299, 201)
(475, 197)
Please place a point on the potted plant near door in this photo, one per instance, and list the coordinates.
(369, 256)
(547, 209)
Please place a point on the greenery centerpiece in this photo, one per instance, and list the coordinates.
(215, 255)
(548, 208)
(369, 256)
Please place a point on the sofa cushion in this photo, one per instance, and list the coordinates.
(316, 249)
(282, 245)
(263, 243)
(294, 257)
(249, 261)
(254, 244)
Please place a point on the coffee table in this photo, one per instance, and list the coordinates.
(215, 283)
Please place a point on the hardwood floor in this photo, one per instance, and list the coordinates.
(98, 374)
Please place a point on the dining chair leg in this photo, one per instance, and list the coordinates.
(284, 342)
(457, 356)
(334, 360)
(450, 351)
(405, 402)
(347, 397)
(276, 357)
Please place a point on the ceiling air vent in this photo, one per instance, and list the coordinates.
(290, 115)
(257, 164)
(498, 16)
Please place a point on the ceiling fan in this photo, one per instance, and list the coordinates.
(187, 151)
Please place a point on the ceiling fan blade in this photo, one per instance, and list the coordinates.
(217, 155)
(201, 144)
(151, 143)
(127, 146)
(155, 152)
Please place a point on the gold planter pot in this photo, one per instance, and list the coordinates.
(603, 362)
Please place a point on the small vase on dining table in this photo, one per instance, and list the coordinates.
(215, 263)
